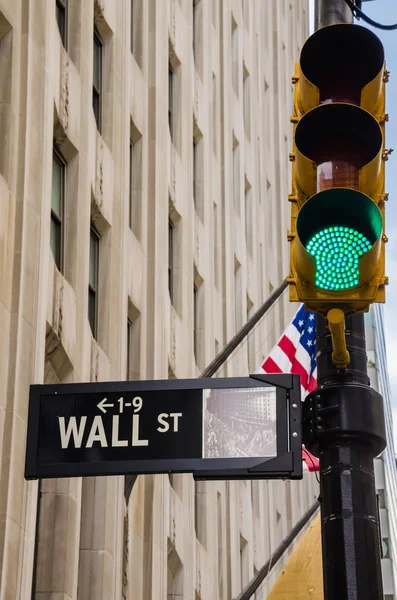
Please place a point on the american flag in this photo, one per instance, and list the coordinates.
(295, 352)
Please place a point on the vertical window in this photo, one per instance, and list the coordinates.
(171, 82)
(197, 27)
(245, 7)
(250, 338)
(57, 209)
(236, 178)
(235, 56)
(220, 521)
(131, 176)
(129, 344)
(133, 367)
(132, 26)
(199, 511)
(214, 137)
(198, 177)
(97, 80)
(248, 217)
(246, 104)
(171, 242)
(93, 281)
(244, 562)
(195, 322)
(214, 9)
(135, 182)
(385, 548)
(255, 498)
(237, 296)
(195, 173)
(61, 9)
(216, 246)
(195, 2)
(381, 498)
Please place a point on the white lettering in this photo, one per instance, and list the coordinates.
(161, 419)
(135, 433)
(73, 430)
(176, 417)
(97, 433)
(115, 432)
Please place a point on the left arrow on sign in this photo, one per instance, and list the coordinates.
(102, 405)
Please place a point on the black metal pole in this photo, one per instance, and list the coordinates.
(330, 12)
(344, 426)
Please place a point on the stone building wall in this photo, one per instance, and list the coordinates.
(217, 188)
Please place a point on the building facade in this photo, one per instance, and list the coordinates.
(144, 178)
(385, 465)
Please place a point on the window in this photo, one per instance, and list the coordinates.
(213, 125)
(135, 181)
(199, 511)
(385, 548)
(131, 176)
(57, 209)
(195, 2)
(195, 322)
(244, 562)
(132, 27)
(195, 173)
(245, 7)
(171, 82)
(171, 242)
(97, 80)
(248, 217)
(246, 104)
(197, 35)
(214, 9)
(238, 321)
(93, 281)
(129, 343)
(235, 55)
(61, 9)
(236, 177)
(250, 337)
(381, 498)
(216, 247)
(133, 370)
(220, 543)
(198, 176)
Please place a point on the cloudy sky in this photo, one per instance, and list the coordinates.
(385, 12)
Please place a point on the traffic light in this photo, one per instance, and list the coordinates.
(337, 202)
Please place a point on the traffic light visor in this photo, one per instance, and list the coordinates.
(340, 60)
(337, 140)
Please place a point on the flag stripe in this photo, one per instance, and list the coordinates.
(295, 352)
(288, 347)
(269, 366)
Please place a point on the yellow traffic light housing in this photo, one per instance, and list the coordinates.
(337, 201)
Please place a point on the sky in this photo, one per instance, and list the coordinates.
(385, 12)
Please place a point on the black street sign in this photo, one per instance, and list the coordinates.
(214, 428)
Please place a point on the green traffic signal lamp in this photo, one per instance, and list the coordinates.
(338, 243)
(337, 251)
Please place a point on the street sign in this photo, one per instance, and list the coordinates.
(242, 428)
